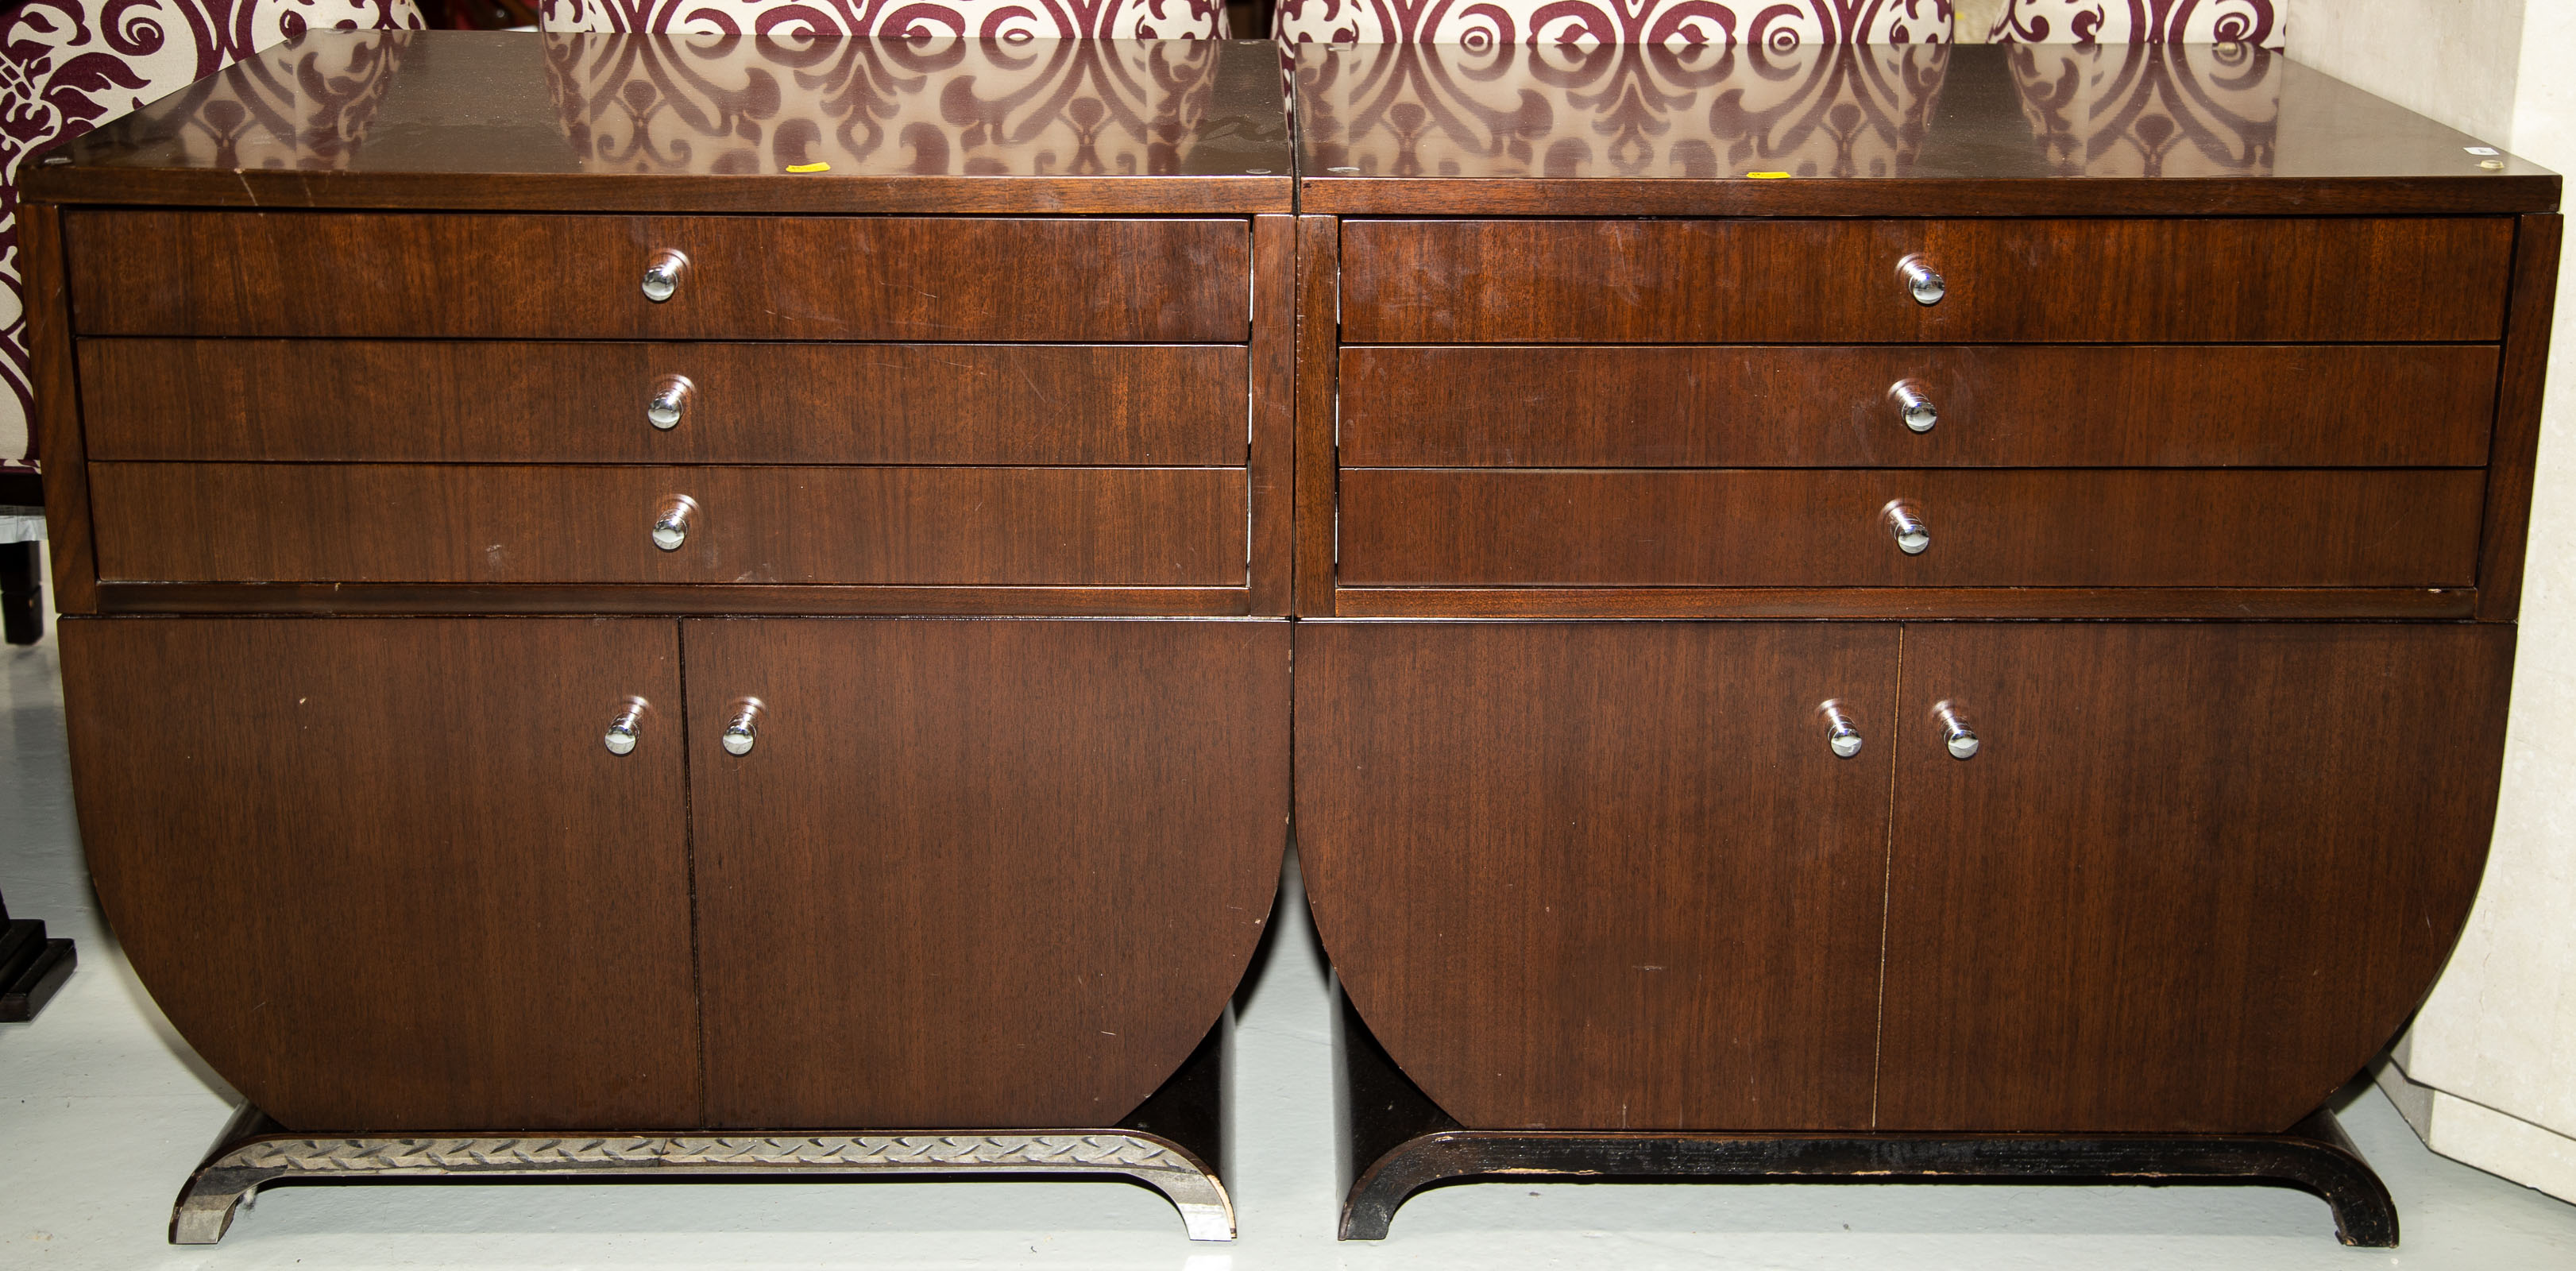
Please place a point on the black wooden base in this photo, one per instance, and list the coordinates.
(22, 579)
(1395, 1141)
(1175, 1143)
(31, 967)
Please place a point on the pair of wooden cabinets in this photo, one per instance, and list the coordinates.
(2204, 517)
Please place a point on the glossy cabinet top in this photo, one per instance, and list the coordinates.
(508, 120)
(1819, 128)
(348, 117)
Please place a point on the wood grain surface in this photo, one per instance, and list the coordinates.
(2518, 411)
(468, 276)
(2195, 876)
(1137, 527)
(578, 402)
(1836, 281)
(54, 432)
(1319, 265)
(1273, 425)
(2229, 603)
(1998, 406)
(1815, 528)
(978, 873)
(382, 874)
(1606, 875)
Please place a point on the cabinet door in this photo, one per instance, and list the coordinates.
(1603, 875)
(977, 873)
(383, 874)
(2194, 876)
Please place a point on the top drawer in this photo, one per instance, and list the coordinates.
(580, 277)
(2420, 278)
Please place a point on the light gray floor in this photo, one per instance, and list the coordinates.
(103, 1111)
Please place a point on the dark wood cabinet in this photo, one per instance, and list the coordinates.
(2149, 486)
(383, 875)
(974, 872)
(964, 885)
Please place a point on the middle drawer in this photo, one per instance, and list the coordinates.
(239, 522)
(414, 401)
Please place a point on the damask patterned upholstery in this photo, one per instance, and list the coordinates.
(802, 20)
(941, 106)
(1772, 24)
(2255, 22)
(67, 66)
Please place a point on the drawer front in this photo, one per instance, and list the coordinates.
(1131, 527)
(1404, 527)
(503, 401)
(2403, 405)
(751, 278)
(2419, 278)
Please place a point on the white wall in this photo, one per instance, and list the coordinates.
(2489, 1068)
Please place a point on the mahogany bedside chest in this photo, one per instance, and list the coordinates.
(663, 605)
(1914, 612)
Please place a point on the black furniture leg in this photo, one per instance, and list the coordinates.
(1396, 1142)
(32, 966)
(22, 593)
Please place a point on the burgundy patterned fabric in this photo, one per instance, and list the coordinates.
(1409, 110)
(940, 107)
(67, 66)
(800, 20)
(1778, 25)
(2255, 22)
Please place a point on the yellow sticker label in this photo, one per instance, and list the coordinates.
(1765, 176)
(825, 167)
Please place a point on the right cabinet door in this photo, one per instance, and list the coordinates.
(2193, 875)
(976, 873)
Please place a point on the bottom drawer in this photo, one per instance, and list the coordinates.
(1135, 527)
(1788, 528)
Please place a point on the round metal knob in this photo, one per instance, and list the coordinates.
(1959, 739)
(623, 730)
(1842, 733)
(744, 729)
(1922, 280)
(1914, 405)
(672, 527)
(1905, 522)
(670, 401)
(662, 275)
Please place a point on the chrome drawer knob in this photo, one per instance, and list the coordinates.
(1922, 280)
(1841, 732)
(744, 730)
(1956, 737)
(670, 401)
(662, 275)
(672, 528)
(1905, 522)
(623, 730)
(1915, 406)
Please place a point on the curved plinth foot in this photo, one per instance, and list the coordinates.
(1174, 1144)
(1396, 1142)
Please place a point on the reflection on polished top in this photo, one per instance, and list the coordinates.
(455, 102)
(1851, 111)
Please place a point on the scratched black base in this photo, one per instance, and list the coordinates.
(1395, 1141)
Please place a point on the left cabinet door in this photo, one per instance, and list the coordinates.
(384, 874)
